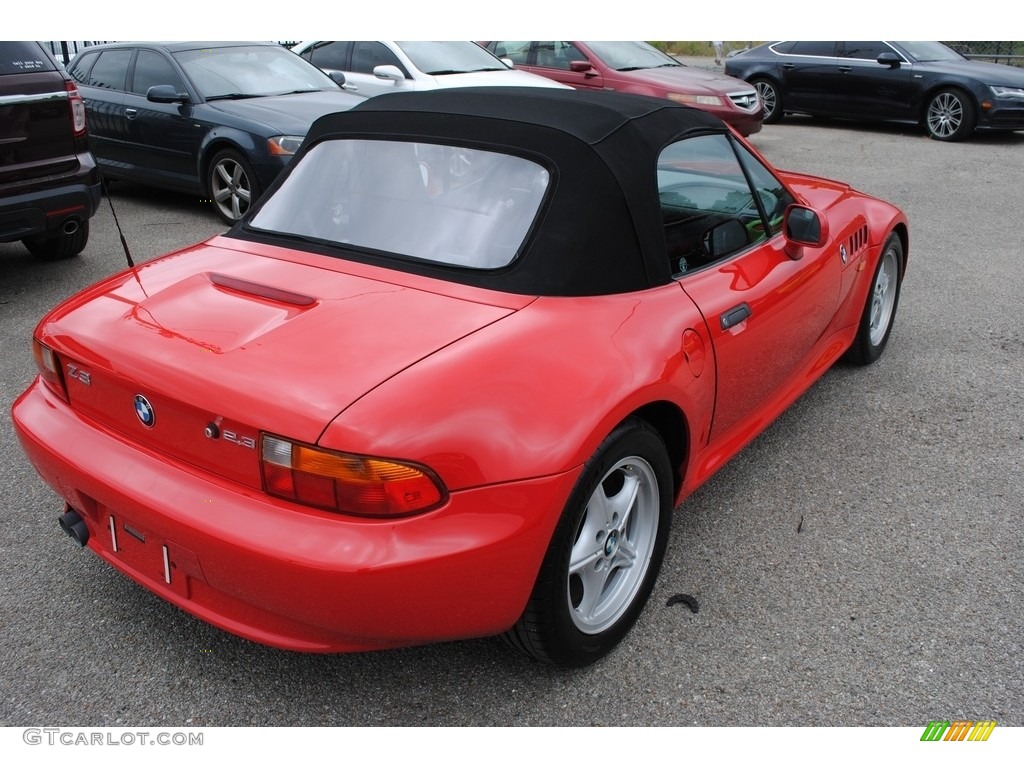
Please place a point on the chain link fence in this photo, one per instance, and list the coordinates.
(998, 51)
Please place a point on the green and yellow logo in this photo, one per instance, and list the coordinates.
(958, 730)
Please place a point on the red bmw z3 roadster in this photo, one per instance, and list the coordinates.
(454, 372)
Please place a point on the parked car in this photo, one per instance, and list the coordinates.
(49, 182)
(636, 67)
(373, 67)
(219, 120)
(919, 82)
(451, 377)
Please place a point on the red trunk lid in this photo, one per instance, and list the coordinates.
(223, 344)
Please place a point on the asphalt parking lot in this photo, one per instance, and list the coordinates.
(859, 564)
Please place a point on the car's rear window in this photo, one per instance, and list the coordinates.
(450, 205)
(18, 57)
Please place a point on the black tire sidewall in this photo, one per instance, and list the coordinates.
(59, 246)
(254, 184)
(966, 127)
(863, 351)
(776, 114)
(572, 646)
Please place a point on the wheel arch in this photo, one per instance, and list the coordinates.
(669, 421)
(776, 83)
(215, 143)
(903, 233)
(945, 85)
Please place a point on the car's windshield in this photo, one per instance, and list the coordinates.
(625, 56)
(250, 70)
(924, 50)
(442, 57)
(438, 203)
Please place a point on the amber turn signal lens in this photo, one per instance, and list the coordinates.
(348, 483)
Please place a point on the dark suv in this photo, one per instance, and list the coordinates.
(49, 181)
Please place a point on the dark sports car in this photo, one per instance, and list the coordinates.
(453, 374)
(924, 83)
(216, 119)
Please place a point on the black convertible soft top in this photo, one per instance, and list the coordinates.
(600, 230)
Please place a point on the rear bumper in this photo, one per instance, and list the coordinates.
(45, 206)
(284, 575)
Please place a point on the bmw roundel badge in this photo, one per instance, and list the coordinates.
(144, 411)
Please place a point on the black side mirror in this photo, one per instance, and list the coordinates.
(337, 76)
(889, 59)
(166, 94)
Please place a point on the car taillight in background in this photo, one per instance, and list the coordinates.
(77, 109)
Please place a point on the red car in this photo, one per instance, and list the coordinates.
(453, 373)
(636, 67)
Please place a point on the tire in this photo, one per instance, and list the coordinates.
(59, 246)
(232, 185)
(771, 98)
(605, 553)
(950, 115)
(880, 308)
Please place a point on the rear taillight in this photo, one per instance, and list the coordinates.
(49, 368)
(347, 483)
(77, 109)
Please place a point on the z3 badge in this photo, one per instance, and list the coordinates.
(74, 372)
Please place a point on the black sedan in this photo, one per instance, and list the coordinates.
(216, 119)
(924, 83)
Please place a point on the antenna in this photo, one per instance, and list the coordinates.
(124, 243)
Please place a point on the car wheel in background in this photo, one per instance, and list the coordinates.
(605, 553)
(950, 115)
(771, 98)
(63, 245)
(232, 185)
(880, 308)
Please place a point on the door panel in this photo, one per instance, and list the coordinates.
(164, 138)
(765, 312)
(869, 89)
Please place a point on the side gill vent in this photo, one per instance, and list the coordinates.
(858, 241)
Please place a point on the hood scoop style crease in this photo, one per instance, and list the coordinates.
(246, 344)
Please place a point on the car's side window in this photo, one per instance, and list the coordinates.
(153, 69)
(329, 55)
(367, 54)
(111, 70)
(708, 208)
(79, 69)
(518, 51)
(863, 49)
(814, 48)
(556, 54)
